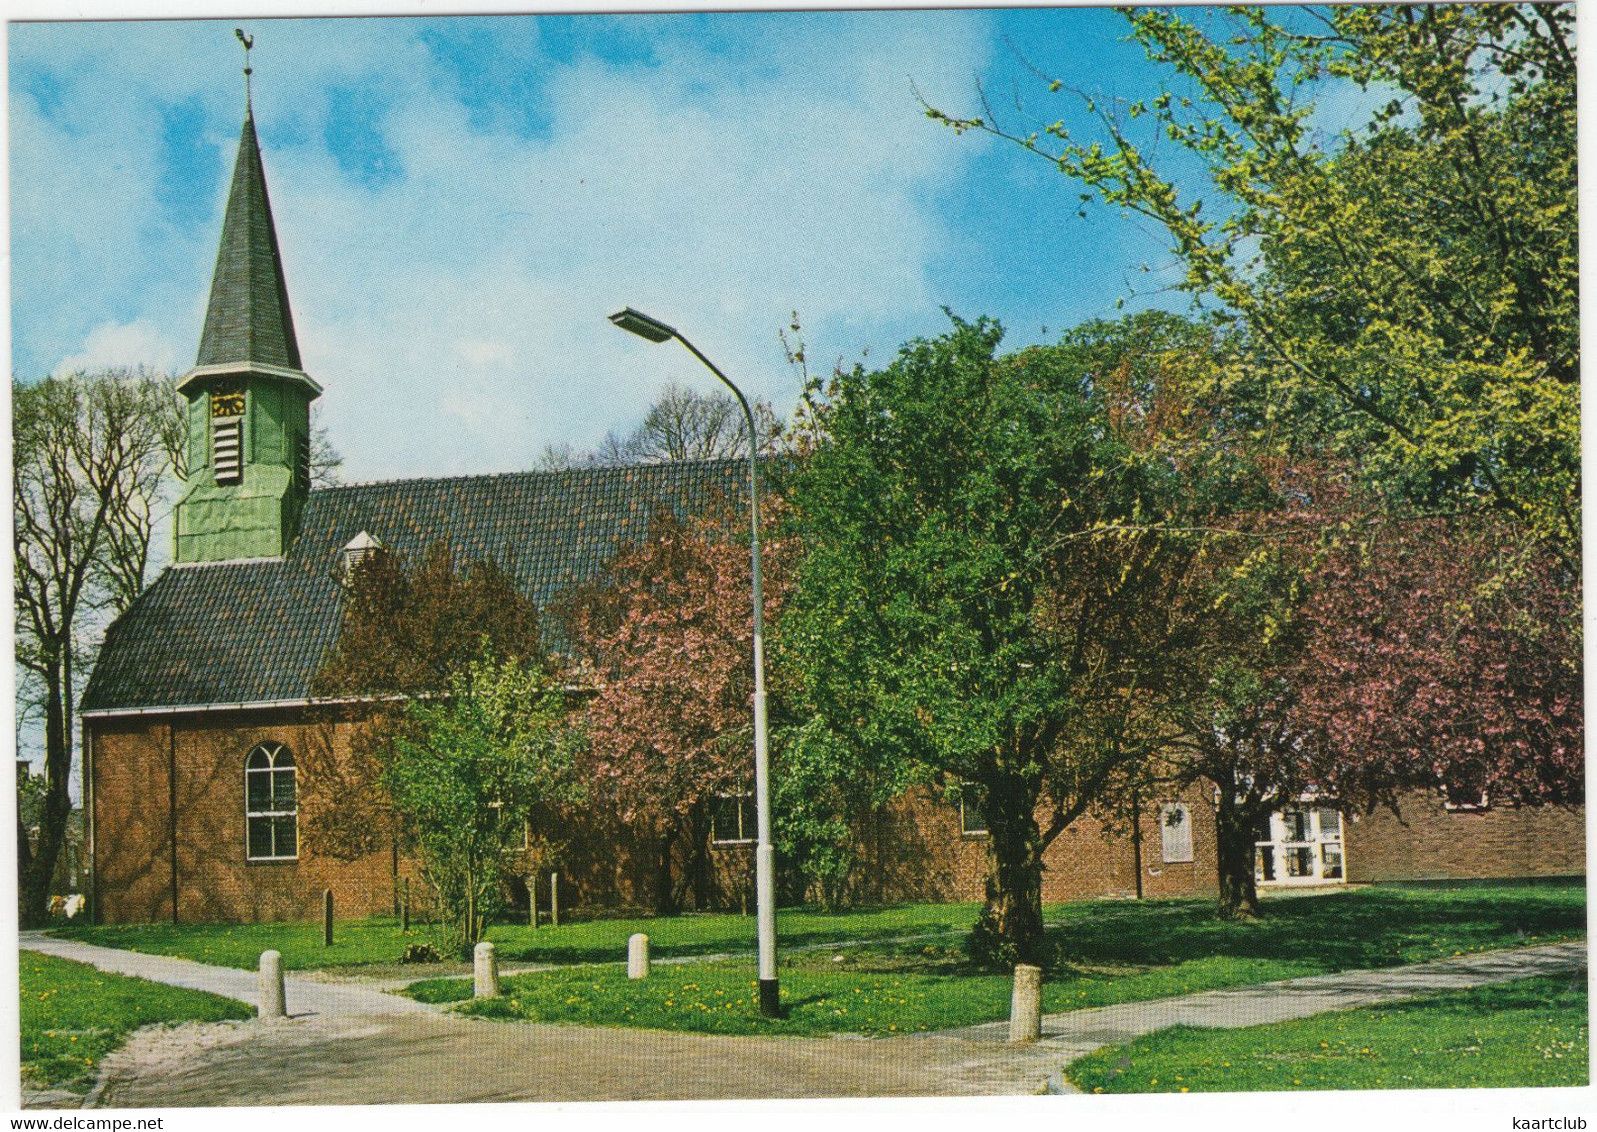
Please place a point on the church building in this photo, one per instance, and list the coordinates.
(205, 753)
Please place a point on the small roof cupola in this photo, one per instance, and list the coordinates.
(248, 394)
(359, 549)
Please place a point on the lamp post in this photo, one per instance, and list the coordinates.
(635, 322)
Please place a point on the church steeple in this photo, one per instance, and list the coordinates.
(249, 399)
(249, 318)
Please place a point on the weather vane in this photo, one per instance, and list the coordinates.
(248, 42)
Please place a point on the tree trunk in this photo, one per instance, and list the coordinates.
(37, 868)
(698, 864)
(1010, 930)
(1239, 890)
(665, 902)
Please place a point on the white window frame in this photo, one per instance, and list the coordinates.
(1169, 854)
(1317, 842)
(746, 836)
(272, 750)
(965, 819)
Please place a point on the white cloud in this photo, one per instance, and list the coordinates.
(456, 314)
(131, 344)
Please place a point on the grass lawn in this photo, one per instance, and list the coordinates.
(1108, 952)
(73, 1015)
(1524, 1034)
(1372, 927)
(379, 941)
(879, 991)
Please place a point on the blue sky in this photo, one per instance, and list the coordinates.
(461, 201)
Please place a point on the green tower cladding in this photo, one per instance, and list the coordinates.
(248, 399)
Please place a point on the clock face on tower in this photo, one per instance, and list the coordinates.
(227, 403)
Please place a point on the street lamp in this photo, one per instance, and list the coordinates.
(636, 322)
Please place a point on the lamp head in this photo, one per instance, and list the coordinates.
(636, 322)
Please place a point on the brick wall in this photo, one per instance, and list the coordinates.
(912, 850)
(132, 877)
(1426, 841)
(134, 828)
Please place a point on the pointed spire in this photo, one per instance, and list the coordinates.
(249, 319)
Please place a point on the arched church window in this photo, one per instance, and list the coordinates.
(271, 804)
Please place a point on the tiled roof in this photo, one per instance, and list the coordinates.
(256, 632)
(248, 319)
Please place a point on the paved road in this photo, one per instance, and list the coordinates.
(349, 1044)
(440, 1058)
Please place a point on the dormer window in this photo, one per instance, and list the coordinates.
(358, 550)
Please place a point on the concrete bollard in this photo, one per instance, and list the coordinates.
(1025, 1007)
(327, 917)
(272, 1002)
(485, 971)
(638, 956)
(554, 900)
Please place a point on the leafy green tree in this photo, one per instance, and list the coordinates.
(983, 600)
(1408, 286)
(465, 770)
(409, 632)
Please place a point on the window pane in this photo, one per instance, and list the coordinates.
(1331, 862)
(283, 790)
(284, 759)
(258, 760)
(260, 837)
(1175, 832)
(750, 823)
(1330, 825)
(1297, 825)
(972, 819)
(1264, 863)
(724, 819)
(258, 790)
(287, 838)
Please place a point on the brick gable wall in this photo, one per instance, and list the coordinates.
(133, 787)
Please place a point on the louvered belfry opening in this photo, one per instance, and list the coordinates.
(227, 449)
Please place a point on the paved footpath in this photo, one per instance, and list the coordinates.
(305, 996)
(1079, 1032)
(348, 1044)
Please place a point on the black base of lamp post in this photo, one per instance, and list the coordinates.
(770, 999)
